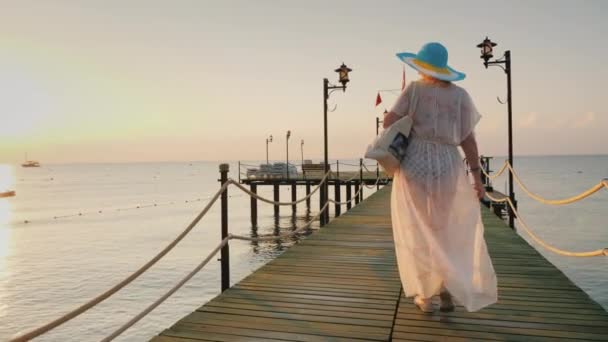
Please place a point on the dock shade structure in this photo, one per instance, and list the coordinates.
(343, 78)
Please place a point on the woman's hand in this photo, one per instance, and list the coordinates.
(480, 189)
(469, 146)
(389, 119)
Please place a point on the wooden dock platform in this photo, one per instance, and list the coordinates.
(341, 284)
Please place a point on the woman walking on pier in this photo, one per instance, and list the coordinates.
(435, 211)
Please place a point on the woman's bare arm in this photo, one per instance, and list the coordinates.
(469, 146)
(389, 119)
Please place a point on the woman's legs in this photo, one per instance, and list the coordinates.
(424, 304)
(447, 305)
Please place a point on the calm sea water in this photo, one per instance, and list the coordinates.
(73, 231)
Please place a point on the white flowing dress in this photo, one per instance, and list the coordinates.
(435, 212)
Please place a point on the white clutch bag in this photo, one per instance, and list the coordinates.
(389, 147)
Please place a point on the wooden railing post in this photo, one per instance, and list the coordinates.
(361, 178)
(321, 197)
(348, 196)
(225, 252)
(276, 199)
(377, 176)
(338, 168)
(307, 193)
(254, 205)
(294, 192)
(337, 194)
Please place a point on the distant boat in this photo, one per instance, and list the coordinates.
(30, 163)
(9, 193)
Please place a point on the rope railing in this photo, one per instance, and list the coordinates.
(269, 201)
(372, 186)
(355, 195)
(602, 184)
(598, 252)
(500, 172)
(364, 184)
(281, 236)
(93, 302)
(355, 165)
(169, 293)
(346, 180)
(189, 276)
(74, 313)
(271, 237)
(296, 163)
(576, 198)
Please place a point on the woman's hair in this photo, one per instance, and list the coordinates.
(434, 80)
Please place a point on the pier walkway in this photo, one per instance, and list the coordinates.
(341, 284)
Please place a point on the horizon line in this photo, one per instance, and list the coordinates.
(280, 160)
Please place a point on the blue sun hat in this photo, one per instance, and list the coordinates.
(432, 60)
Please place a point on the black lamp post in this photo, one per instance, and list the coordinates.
(378, 122)
(268, 140)
(487, 47)
(342, 71)
(287, 147)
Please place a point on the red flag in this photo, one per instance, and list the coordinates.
(378, 99)
(403, 79)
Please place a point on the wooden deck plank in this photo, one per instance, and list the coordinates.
(285, 325)
(342, 284)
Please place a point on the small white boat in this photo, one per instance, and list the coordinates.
(8, 193)
(30, 163)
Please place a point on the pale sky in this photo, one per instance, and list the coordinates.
(118, 81)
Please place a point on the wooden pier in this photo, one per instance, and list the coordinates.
(342, 284)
